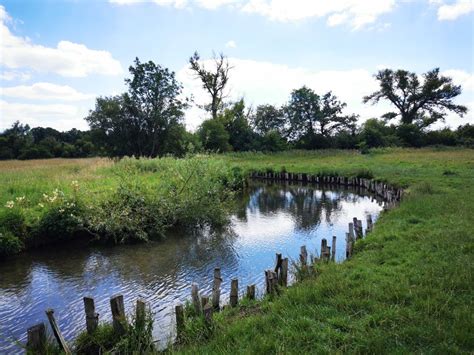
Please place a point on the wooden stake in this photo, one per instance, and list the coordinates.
(278, 262)
(207, 310)
(36, 338)
(204, 301)
(92, 318)
(234, 292)
(333, 249)
(140, 314)
(118, 314)
(179, 312)
(251, 292)
(57, 332)
(216, 289)
(303, 256)
(195, 298)
(283, 276)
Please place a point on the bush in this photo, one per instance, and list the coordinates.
(9, 244)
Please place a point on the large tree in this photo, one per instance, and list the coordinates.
(267, 118)
(419, 102)
(309, 114)
(214, 81)
(143, 120)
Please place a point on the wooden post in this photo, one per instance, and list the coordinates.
(303, 256)
(349, 245)
(195, 298)
(251, 292)
(360, 230)
(271, 279)
(140, 314)
(278, 262)
(92, 318)
(179, 312)
(369, 224)
(283, 277)
(333, 249)
(351, 230)
(57, 332)
(234, 292)
(36, 338)
(216, 289)
(207, 310)
(118, 314)
(324, 249)
(204, 301)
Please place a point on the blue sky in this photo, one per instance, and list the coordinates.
(57, 55)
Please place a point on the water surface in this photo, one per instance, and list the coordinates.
(269, 218)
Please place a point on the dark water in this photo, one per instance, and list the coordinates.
(269, 218)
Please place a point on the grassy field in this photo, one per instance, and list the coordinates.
(409, 287)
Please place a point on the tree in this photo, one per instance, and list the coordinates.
(140, 122)
(310, 115)
(267, 118)
(236, 123)
(418, 102)
(214, 82)
(214, 136)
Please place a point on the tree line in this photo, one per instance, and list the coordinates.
(148, 119)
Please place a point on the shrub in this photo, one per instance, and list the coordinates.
(9, 244)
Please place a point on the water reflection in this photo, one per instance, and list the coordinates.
(268, 218)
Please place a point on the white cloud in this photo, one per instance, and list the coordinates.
(455, 10)
(356, 13)
(265, 82)
(61, 117)
(67, 59)
(14, 74)
(231, 44)
(45, 91)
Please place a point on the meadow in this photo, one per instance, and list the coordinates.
(408, 288)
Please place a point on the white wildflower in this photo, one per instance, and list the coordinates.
(10, 204)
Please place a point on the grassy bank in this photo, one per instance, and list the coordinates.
(409, 287)
(51, 201)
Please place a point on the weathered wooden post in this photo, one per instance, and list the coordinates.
(140, 313)
(333, 249)
(250, 292)
(349, 245)
(204, 301)
(216, 289)
(271, 280)
(207, 310)
(92, 318)
(303, 256)
(118, 314)
(283, 276)
(36, 338)
(360, 229)
(195, 298)
(369, 224)
(57, 332)
(325, 254)
(179, 312)
(278, 262)
(234, 292)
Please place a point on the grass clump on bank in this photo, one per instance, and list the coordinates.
(128, 201)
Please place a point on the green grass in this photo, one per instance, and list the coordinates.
(408, 289)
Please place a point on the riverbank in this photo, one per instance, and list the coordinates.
(409, 287)
(98, 200)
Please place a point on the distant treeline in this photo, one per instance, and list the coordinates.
(148, 119)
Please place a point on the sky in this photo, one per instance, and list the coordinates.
(57, 56)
